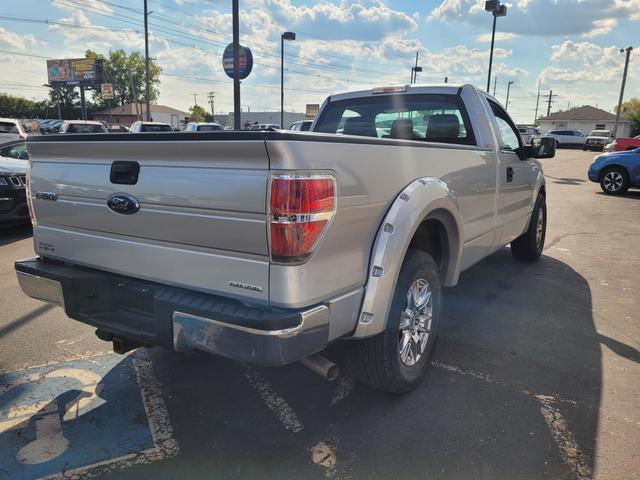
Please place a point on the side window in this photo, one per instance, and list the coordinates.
(509, 139)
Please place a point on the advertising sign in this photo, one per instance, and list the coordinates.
(74, 71)
(106, 89)
(246, 61)
(312, 110)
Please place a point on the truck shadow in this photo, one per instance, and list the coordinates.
(514, 392)
(14, 233)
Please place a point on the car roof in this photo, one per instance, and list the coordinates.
(152, 123)
(9, 120)
(83, 122)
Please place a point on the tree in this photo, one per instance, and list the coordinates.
(631, 112)
(127, 74)
(197, 114)
(68, 98)
(12, 106)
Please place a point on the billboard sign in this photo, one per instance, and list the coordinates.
(312, 110)
(75, 71)
(106, 90)
(246, 61)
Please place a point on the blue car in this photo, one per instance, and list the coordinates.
(616, 171)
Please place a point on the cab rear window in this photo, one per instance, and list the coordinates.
(427, 118)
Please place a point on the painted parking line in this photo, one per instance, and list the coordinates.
(82, 417)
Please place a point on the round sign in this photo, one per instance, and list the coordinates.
(246, 61)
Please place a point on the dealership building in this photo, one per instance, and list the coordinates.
(585, 119)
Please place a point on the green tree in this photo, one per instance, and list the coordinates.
(127, 74)
(68, 98)
(12, 106)
(197, 114)
(631, 112)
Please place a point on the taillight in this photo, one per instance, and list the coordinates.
(27, 188)
(300, 208)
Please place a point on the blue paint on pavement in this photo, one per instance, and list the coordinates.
(42, 431)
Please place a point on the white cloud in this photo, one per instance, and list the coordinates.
(15, 41)
(500, 37)
(544, 17)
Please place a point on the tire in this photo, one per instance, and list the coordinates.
(557, 144)
(378, 361)
(528, 246)
(614, 181)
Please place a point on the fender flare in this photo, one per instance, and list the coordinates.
(422, 199)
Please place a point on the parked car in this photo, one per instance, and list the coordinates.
(11, 129)
(16, 149)
(528, 133)
(621, 144)
(265, 126)
(150, 127)
(203, 127)
(82, 126)
(301, 126)
(117, 128)
(299, 240)
(567, 138)
(50, 126)
(597, 139)
(13, 200)
(616, 172)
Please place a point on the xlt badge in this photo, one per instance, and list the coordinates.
(246, 286)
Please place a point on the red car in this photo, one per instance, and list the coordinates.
(621, 144)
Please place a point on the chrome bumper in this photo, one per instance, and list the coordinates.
(41, 288)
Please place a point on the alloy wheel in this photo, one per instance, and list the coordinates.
(415, 323)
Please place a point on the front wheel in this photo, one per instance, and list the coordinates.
(614, 181)
(528, 246)
(396, 360)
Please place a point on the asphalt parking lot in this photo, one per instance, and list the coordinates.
(536, 375)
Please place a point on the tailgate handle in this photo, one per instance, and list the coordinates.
(125, 173)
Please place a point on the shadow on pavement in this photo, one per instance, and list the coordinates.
(14, 233)
(517, 342)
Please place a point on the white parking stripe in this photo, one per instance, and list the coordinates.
(565, 440)
(274, 402)
(571, 453)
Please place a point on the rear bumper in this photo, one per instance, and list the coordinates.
(161, 315)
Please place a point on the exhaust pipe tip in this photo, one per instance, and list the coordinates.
(323, 367)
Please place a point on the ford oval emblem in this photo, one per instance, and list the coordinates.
(124, 204)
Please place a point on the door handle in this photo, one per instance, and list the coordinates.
(509, 174)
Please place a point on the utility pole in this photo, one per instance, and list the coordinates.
(495, 82)
(146, 61)
(506, 106)
(415, 69)
(236, 63)
(535, 117)
(549, 102)
(210, 97)
(624, 81)
(195, 98)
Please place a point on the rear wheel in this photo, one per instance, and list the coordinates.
(396, 360)
(614, 181)
(528, 246)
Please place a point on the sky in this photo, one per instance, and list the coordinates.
(569, 46)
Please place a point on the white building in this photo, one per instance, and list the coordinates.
(127, 114)
(585, 119)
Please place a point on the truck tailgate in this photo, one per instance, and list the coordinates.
(202, 217)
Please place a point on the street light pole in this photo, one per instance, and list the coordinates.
(236, 64)
(283, 37)
(496, 10)
(146, 62)
(624, 81)
(506, 105)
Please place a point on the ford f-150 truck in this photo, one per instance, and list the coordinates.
(267, 246)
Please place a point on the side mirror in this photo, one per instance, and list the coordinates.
(544, 147)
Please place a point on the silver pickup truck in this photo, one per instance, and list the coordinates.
(266, 247)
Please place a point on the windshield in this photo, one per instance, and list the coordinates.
(432, 118)
(156, 128)
(600, 133)
(85, 128)
(209, 128)
(8, 127)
